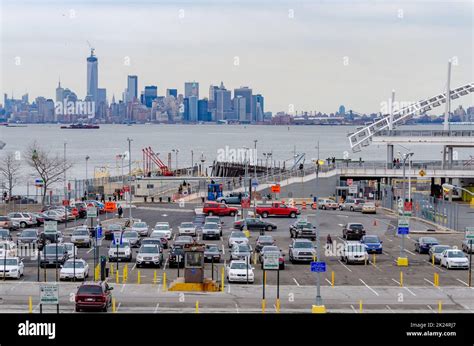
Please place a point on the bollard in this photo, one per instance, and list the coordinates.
(255, 258)
(111, 270)
(265, 277)
(197, 306)
(332, 278)
(125, 274)
(263, 306)
(432, 260)
(373, 261)
(139, 279)
(440, 306)
(222, 279)
(278, 305)
(30, 305)
(116, 277)
(154, 277)
(113, 305)
(165, 288)
(436, 279)
(401, 279)
(360, 306)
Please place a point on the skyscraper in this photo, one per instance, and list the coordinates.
(150, 93)
(132, 88)
(59, 93)
(258, 109)
(342, 110)
(193, 108)
(245, 92)
(223, 104)
(203, 111)
(172, 92)
(191, 89)
(92, 76)
(239, 108)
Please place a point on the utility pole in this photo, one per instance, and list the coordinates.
(403, 260)
(65, 186)
(87, 159)
(130, 179)
(192, 163)
(448, 99)
(255, 178)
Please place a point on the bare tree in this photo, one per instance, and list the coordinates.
(50, 168)
(10, 170)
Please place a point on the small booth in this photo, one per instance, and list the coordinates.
(194, 263)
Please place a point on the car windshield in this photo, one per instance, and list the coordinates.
(80, 232)
(8, 262)
(439, 249)
(155, 234)
(212, 219)
(265, 239)
(303, 245)
(69, 246)
(271, 249)
(51, 249)
(115, 227)
(243, 248)
(89, 289)
(305, 225)
(371, 240)
(237, 235)
(238, 265)
(211, 226)
(4, 233)
(139, 224)
(70, 264)
(187, 225)
(162, 227)
(149, 249)
(212, 248)
(356, 226)
(28, 233)
(151, 241)
(130, 235)
(455, 254)
(429, 240)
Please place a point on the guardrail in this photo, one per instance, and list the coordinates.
(426, 133)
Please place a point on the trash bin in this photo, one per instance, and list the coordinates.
(145, 198)
(161, 199)
(153, 200)
(169, 199)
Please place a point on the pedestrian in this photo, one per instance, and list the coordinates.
(329, 242)
(240, 180)
(120, 212)
(394, 163)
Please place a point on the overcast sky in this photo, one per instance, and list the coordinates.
(314, 55)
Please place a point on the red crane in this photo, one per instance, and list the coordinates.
(150, 158)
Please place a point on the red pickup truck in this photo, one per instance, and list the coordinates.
(221, 209)
(277, 209)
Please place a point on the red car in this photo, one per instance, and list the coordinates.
(277, 209)
(94, 296)
(221, 209)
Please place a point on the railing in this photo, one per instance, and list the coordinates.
(426, 133)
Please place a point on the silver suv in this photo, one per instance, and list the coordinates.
(301, 250)
(23, 219)
(352, 204)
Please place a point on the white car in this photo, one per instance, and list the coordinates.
(81, 237)
(141, 228)
(11, 267)
(71, 249)
(187, 228)
(237, 271)
(23, 219)
(354, 252)
(237, 237)
(454, 258)
(149, 254)
(9, 247)
(124, 252)
(369, 208)
(165, 227)
(71, 269)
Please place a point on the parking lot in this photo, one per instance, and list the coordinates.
(379, 274)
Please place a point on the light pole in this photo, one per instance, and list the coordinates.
(130, 178)
(244, 214)
(87, 159)
(65, 186)
(176, 151)
(255, 178)
(203, 159)
(403, 260)
(192, 163)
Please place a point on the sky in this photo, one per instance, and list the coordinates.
(301, 55)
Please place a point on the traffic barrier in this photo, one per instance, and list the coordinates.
(436, 279)
(401, 279)
(314, 205)
(332, 278)
(222, 279)
(197, 306)
(303, 205)
(30, 305)
(360, 306)
(165, 288)
(139, 279)
(440, 306)
(263, 306)
(113, 305)
(278, 305)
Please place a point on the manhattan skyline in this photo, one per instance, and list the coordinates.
(314, 56)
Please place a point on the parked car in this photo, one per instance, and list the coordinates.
(53, 254)
(165, 227)
(120, 252)
(93, 296)
(369, 208)
(149, 255)
(38, 217)
(176, 255)
(468, 245)
(71, 250)
(354, 252)
(303, 229)
(454, 258)
(132, 237)
(211, 230)
(81, 209)
(6, 222)
(11, 267)
(232, 198)
(141, 228)
(255, 224)
(240, 271)
(155, 241)
(264, 240)
(9, 247)
(111, 229)
(184, 239)
(423, 244)
(326, 203)
(187, 228)
(212, 253)
(23, 219)
(5, 234)
(54, 215)
(221, 209)
(277, 209)
(237, 237)
(352, 204)
(372, 243)
(435, 252)
(353, 230)
(81, 237)
(28, 236)
(272, 249)
(215, 219)
(157, 235)
(74, 269)
(301, 250)
(240, 251)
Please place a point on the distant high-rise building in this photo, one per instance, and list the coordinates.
(92, 76)
(172, 92)
(245, 92)
(223, 103)
(193, 108)
(150, 93)
(185, 109)
(258, 109)
(203, 110)
(342, 110)
(239, 108)
(191, 89)
(59, 93)
(132, 88)
(212, 92)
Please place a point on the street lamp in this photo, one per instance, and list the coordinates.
(176, 151)
(255, 178)
(87, 159)
(130, 178)
(192, 163)
(403, 260)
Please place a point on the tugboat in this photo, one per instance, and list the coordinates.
(81, 126)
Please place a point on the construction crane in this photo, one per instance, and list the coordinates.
(150, 158)
(91, 48)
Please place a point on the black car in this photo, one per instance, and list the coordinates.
(176, 256)
(212, 253)
(255, 224)
(53, 254)
(111, 229)
(303, 229)
(353, 231)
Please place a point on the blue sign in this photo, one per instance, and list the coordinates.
(115, 240)
(99, 232)
(318, 267)
(403, 230)
(254, 182)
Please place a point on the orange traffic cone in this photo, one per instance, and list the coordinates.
(304, 205)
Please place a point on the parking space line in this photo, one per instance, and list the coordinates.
(156, 308)
(329, 282)
(389, 308)
(91, 249)
(296, 282)
(123, 287)
(439, 268)
(340, 224)
(429, 281)
(429, 307)
(118, 307)
(166, 262)
(353, 309)
(134, 266)
(223, 249)
(404, 287)
(370, 288)
(237, 307)
(344, 265)
(464, 283)
(389, 239)
(406, 250)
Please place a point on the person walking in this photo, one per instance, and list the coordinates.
(329, 242)
(120, 212)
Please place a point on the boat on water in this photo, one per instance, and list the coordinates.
(81, 126)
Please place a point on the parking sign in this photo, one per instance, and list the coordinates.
(50, 227)
(91, 212)
(318, 267)
(271, 261)
(49, 294)
(403, 226)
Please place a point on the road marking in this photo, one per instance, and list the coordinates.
(296, 282)
(353, 309)
(329, 282)
(429, 281)
(118, 307)
(340, 224)
(156, 308)
(237, 307)
(228, 289)
(223, 249)
(429, 307)
(339, 215)
(406, 250)
(464, 283)
(389, 239)
(166, 262)
(404, 287)
(275, 307)
(344, 266)
(370, 288)
(91, 249)
(134, 266)
(123, 287)
(389, 308)
(439, 268)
